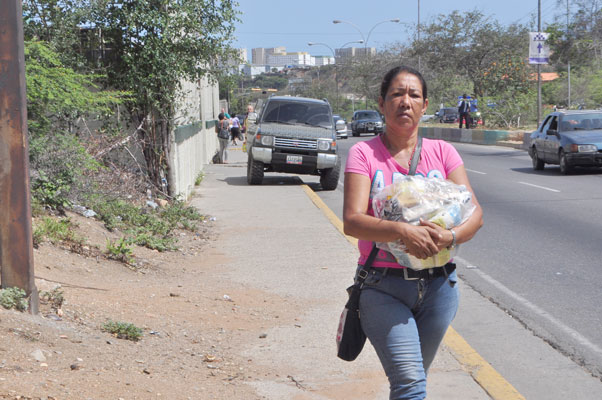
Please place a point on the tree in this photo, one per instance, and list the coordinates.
(58, 23)
(155, 45)
(57, 97)
(464, 45)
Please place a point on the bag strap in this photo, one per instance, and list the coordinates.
(363, 272)
(416, 157)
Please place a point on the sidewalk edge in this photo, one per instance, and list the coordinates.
(480, 370)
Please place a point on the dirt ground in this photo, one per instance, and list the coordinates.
(193, 322)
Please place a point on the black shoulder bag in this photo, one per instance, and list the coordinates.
(350, 335)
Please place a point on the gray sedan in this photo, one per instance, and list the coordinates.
(569, 139)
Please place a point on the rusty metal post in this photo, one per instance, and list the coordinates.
(16, 244)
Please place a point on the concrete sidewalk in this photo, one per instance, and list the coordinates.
(281, 243)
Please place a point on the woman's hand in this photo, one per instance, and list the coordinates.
(419, 241)
(442, 237)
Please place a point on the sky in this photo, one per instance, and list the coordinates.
(292, 24)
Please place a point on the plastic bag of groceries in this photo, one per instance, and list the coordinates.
(411, 198)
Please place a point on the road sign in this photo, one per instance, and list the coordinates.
(539, 51)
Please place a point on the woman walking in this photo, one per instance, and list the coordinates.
(235, 129)
(223, 136)
(404, 313)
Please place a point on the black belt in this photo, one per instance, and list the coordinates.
(410, 275)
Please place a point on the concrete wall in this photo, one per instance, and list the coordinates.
(519, 140)
(193, 142)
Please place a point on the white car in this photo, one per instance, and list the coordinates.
(341, 133)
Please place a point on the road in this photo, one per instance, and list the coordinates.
(537, 258)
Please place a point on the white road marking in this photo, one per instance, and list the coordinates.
(540, 187)
(582, 340)
(476, 172)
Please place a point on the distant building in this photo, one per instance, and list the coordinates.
(322, 60)
(298, 59)
(234, 61)
(254, 70)
(346, 54)
(260, 55)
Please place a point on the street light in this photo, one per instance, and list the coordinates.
(338, 21)
(336, 75)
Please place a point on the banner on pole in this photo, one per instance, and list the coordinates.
(539, 51)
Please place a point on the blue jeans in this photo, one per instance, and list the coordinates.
(405, 321)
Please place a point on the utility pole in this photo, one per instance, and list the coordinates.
(538, 66)
(568, 56)
(16, 243)
(418, 33)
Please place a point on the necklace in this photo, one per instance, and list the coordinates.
(388, 146)
(412, 156)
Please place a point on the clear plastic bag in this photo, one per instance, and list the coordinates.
(411, 198)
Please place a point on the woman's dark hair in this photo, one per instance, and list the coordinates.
(386, 83)
(221, 116)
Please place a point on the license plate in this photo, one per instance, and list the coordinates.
(370, 128)
(298, 160)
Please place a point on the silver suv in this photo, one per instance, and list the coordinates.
(293, 135)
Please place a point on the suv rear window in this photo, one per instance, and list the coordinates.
(298, 113)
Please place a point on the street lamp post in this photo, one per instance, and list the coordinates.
(336, 75)
(365, 39)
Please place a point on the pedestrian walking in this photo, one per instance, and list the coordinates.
(403, 312)
(223, 136)
(235, 129)
(464, 111)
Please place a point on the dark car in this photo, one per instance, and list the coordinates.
(569, 139)
(448, 114)
(366, 121)
(341, 129)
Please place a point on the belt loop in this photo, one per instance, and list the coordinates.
(452, 284)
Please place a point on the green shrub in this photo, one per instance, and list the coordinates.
(13, 297)
(120, 251)
(54, 298)
(146, 227)
(55, 230)
(123, 330)
(199, 179)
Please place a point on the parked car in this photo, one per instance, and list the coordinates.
(342, 128)
(448, 115)
(294, 135)
(569, 139)
(366, 121)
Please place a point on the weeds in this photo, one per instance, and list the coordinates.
(123, 330)
(13, 297)
(54, 298)
(55, 230)
(144, 227)
(120, 251)
(199, 179)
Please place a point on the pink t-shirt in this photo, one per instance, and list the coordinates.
(372, 159)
